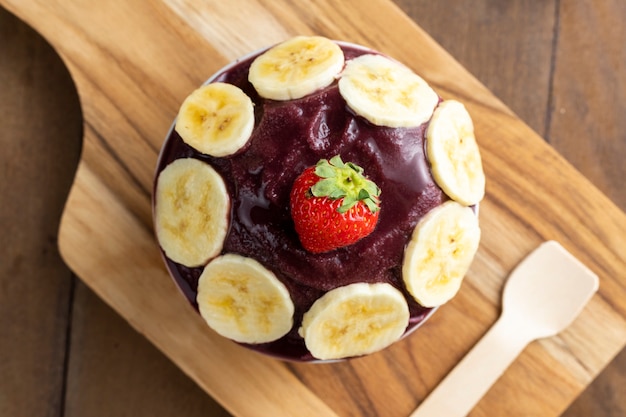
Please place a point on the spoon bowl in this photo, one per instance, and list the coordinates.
(548, 290)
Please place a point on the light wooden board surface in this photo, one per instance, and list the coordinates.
(122, 140)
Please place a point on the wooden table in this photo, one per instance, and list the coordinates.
(560, 66)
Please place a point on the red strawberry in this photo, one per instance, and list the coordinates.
(333, 205)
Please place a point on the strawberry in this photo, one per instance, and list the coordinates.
(333, 205)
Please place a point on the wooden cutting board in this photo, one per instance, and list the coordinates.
(133, 64)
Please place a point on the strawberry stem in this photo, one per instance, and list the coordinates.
(347, 181)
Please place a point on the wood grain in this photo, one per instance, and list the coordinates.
(113, 371)
(518, 42)
(508, 46)
(35, 284)
(589, 96)
(109, 159)
(63, 352)
(589, 103)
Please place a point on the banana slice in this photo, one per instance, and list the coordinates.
(355, 320)
(386, 92)
(216, 119)
(454, 155)
(191, 211)
(243, 301)
(440, 252)
(296, 67)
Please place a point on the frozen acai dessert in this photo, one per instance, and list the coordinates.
(317, 200)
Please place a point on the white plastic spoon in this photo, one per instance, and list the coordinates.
(542, 296)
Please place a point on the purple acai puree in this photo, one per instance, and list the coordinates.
(288, 137)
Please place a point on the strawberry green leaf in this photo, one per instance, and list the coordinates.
(324, 188)
(336, 161)
(347, 181)
(325, 171)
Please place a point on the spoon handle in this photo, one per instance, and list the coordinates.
(468, 382)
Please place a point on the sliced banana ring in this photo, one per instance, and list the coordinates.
(440, 252)
(191, 211)
(216, 119)
(296, 67)
(386, 92)
(242, 300)
(454, 155)
(355, 320)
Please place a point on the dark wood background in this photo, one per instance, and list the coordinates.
(559, 65)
